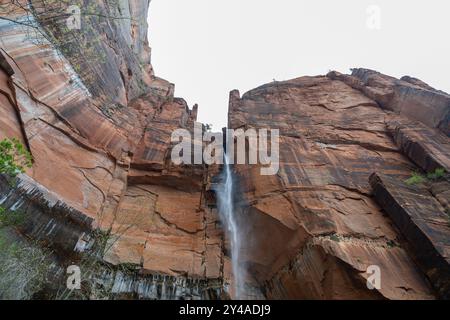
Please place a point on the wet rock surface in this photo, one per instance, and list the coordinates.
(99, 134)
(314, 228)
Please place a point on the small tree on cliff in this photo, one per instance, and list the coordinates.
(14, 158)
(23, 266)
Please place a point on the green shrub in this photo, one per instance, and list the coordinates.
(415, 179)
(11, 218)
(14, 157)
(437, 174)
(391, 244)
(335, 238)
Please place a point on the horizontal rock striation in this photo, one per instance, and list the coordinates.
(424, 222)
(408, 96)
(98, 124)
(429, 149)
(313, 230)
(104, 193)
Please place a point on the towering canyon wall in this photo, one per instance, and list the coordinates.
(312, 230)
(98, 124)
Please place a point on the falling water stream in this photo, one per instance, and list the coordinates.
(228, 215)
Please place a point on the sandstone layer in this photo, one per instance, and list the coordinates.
(423, 221)
(312, 230)
(98, 125)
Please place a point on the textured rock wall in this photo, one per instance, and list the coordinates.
(98, 123)
(422, 218)
(99, 133)
(313, 229)
(408, 96)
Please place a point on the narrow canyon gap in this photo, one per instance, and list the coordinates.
(104, 192)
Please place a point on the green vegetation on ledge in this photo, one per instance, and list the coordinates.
(14, 157)
(417, 178)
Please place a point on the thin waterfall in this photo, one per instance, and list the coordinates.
(228, 216)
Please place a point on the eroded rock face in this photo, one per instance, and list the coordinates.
(420, 216)
(99, 133)
(408, 96)
(313, 229)
(429, 149)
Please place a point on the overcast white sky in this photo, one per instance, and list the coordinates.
(209, 47)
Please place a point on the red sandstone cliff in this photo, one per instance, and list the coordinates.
(314, 228)
(98, 123)
(99, 132)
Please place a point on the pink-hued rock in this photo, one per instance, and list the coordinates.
(422, 219)
(313, 229)
(408, 96)
(98, 124)
(100, 142)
